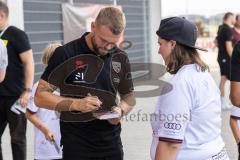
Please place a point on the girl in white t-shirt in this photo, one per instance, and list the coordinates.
(187, 120)
(235, 126)
(47, 131)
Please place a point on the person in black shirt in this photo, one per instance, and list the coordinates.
(224, 42)
(94, 139)
(235, 94)
(235, 76)
(17, 84)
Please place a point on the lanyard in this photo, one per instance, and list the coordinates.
(3, 31)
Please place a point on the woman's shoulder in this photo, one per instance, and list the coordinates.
(190, 74)
(186, 72)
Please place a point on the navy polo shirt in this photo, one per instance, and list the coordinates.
(97, 138)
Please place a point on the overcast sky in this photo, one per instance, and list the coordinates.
(203, 7)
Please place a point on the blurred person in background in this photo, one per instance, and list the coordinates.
(236, 30)
(225, 47)
(235, 94)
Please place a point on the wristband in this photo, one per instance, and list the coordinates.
(28, 90)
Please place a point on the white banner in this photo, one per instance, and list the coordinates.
(77, 19)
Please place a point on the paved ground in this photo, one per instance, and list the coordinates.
(137, 134)
(136, 130)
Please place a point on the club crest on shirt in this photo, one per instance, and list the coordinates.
(116, 80)
(79, 64)
(116, 66)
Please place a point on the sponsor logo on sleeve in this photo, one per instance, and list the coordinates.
(172, 126)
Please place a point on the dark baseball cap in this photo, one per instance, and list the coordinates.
(179, 29)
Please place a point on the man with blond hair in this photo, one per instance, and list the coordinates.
(93, 139)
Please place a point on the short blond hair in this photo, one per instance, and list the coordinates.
(49, 50)
(113, 18)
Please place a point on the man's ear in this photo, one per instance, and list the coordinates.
(93, 26)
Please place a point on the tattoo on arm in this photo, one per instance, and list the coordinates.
(46, 88)
(64, 105)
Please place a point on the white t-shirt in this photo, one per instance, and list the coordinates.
(44, 149)
(3, 55)
(189, 114)
(235, 113)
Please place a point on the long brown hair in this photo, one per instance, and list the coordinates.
(182, 55)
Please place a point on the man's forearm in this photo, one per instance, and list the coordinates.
(29, 73)
(52, 102)
(126, 108)
(127, 103)
(44, 98)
